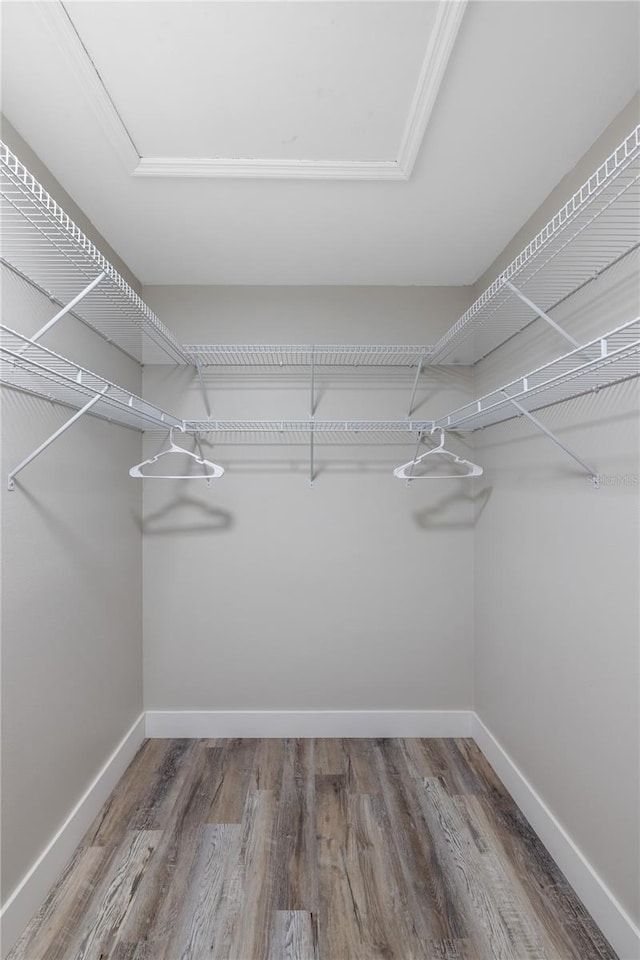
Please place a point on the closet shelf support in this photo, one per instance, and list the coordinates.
(312, 384)
(590, 470)
(415, 456)
(203, 388)
(415, 386)
(72, 303)
(311, 464)
(541, 313)
(54, 436)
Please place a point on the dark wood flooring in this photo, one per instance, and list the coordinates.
(311, 850)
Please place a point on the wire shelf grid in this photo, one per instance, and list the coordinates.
(598, 226)
(305, 354)
(599, 363)
(30, 367)
(41, 243)
(301, 431)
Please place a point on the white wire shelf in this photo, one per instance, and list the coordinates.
(600, 363)
(305, 354)
(30, 367)
(41, 243)
(598, 226)
(301, 431)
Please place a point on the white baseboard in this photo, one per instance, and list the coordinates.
(28, 896)
(309, 723)
(615, 923)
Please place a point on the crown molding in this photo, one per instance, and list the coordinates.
(63, 32)
(269, 169)
(441, 42)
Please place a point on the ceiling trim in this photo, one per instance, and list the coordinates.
(270, 169)
(75, 54)
(441, 41)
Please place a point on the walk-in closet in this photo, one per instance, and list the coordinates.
(320, 551)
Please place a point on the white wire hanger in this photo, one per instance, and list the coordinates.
(405, 472)
(215, 471)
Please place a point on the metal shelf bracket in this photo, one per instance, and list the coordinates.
(72, 303)
(54, 436)
(415, 386)
(205, 395)
(312, 384)
(590, 470)
(542, 314)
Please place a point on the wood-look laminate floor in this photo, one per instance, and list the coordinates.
(311, 850)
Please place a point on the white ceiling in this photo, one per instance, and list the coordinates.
(256, 142)
(317, 81)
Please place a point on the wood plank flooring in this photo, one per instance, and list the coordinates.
(311, 850)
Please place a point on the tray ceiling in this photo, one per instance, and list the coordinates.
(269, 89)
(440, 128)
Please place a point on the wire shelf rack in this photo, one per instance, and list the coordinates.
(599, 363)
(598, 226)
(305, 354)
(41, 243)
(30, 367)
(301, 431)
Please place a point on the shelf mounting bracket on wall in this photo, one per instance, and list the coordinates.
(312, 384)
(415, 456)
(415, 385)
(72, 303)
(205, 395)
(54, 436)
(311, 464)
(590, 470)
(542, 314)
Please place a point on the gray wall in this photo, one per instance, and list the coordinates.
(557, 573)
(263, 593)
(71, 582)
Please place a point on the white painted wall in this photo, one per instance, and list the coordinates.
(557, 573)
(71, 583)
(261, 593)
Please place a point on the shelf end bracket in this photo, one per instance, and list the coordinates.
(205, 395)
(542, 314)
(311, 463)
(415, 385)
(68, 307)
(54, 436)
(590, 470)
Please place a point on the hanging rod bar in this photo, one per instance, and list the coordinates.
(415, 386)
(72, 303)
(592, 473)
(542, 314)
(54, 436)
(203, 388)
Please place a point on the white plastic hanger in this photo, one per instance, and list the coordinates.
(215, 470)
(405, 472)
